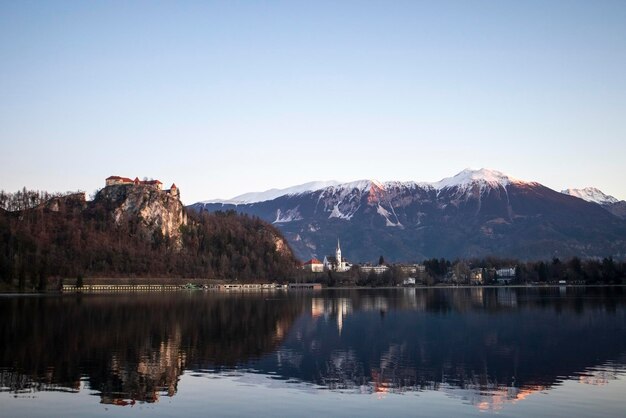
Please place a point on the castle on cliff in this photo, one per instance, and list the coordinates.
(117, 180)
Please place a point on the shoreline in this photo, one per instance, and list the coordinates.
(157, 288)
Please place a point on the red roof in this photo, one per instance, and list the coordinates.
(136, 181)
(118, 178)
(173, 186)
(313, 261)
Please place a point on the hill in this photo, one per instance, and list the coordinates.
(134, 231)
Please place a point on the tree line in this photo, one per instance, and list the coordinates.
(463, 272)
(27, 199)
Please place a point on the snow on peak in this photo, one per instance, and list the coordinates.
(469, 177)
(343, 190)
(255, 197)
(362, 185)
(463, 180)
(591, 194)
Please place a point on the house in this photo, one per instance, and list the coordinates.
(505, 275)
(379, 269)
(314, 286)
(506, 272)
(314, 265)
(476, 276)
(410, 281)
(412, 269)
(335, 262)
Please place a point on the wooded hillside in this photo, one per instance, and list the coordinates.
(68, 237)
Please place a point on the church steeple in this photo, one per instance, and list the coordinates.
(338, 254)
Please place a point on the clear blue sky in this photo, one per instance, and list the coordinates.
(237, 96)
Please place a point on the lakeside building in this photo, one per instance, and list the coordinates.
(476, 276)
(505, 275)
(379, 269)
(506, 272)
(411, 268)
(313, 265)
(296, 286)
(336, 262)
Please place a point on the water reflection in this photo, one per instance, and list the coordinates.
(486, 346)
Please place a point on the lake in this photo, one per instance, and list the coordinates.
(514, 352)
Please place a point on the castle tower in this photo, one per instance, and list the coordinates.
(174, 191)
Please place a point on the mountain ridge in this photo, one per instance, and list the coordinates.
(475, 213)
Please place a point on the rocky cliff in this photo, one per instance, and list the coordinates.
(156, 210)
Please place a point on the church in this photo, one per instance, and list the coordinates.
(335, 262)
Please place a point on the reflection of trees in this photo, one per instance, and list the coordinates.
(488, 346)
(134, 347)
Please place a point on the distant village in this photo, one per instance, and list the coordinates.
(415, 273)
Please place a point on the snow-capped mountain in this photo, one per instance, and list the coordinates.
(482, 177)
(591, 194)
(270, 194)
(465, 178)
(475, 213)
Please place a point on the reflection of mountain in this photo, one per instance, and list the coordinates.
(486, 346)
(489, 346)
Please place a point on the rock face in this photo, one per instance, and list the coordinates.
(75, 201)
(473, 214)
(156, 210)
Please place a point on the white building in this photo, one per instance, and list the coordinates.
(380, 269)
(506, 272)
(336, 263)
(506, 275)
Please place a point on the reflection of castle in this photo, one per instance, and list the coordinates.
(156, 373)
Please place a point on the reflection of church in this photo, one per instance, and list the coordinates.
(336, 263)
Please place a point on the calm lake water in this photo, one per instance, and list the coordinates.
(370, 353)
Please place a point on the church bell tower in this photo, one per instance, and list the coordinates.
(338, 255)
